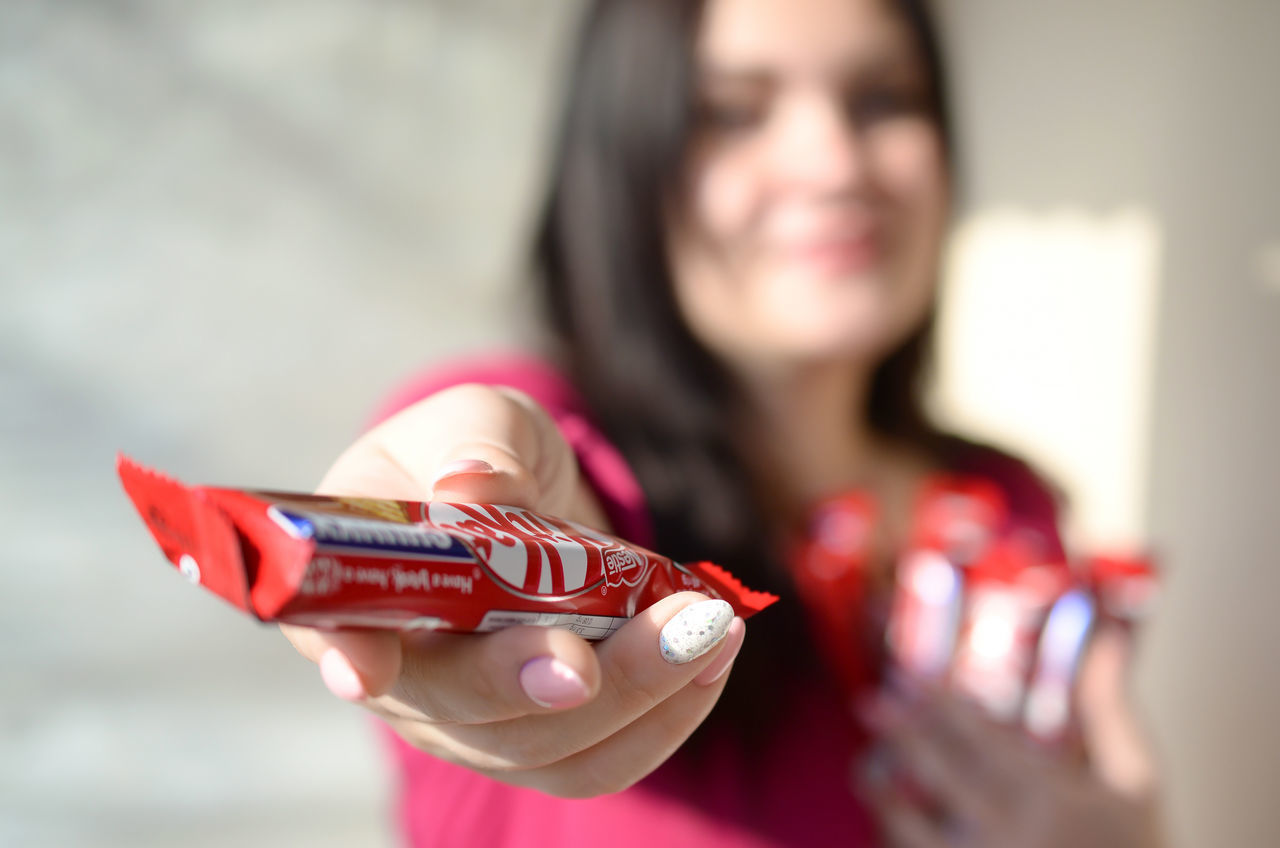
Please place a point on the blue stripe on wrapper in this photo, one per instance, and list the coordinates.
(343, 532)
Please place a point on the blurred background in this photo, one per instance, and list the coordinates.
(228, 228)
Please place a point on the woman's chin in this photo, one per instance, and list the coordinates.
(864, 350)
(864, 338)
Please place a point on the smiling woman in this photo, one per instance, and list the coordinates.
(811, 215)
(738, 258)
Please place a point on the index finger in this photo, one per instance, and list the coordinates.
(681, 639)
(453, 678)
(354, 664)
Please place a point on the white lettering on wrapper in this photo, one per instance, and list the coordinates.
(326, 575)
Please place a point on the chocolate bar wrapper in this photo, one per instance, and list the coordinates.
(925, 617)
(333, 562)
(1007, 596)
(832, 580)
(955, 521)
(1126, 586)
(1048, 713)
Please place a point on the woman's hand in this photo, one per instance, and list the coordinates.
(530, 706)
(945, 774)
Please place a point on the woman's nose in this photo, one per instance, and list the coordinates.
(819, 149)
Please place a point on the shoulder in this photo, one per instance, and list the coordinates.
(1034, 502)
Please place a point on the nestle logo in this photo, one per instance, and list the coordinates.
(623, 566)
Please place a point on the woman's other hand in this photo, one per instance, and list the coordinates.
(945, 774)
(530, 706)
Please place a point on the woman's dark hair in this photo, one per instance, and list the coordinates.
(602, 269)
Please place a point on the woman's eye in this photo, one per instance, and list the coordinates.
(730, 117)
(870, 107)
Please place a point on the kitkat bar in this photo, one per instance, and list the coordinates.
(1111, 591)
(832, 578)
(1048, 712)
(955, 520)
(1007, 595)
(357, 562)
(925, 616)
(958, 516)
(1124, 584)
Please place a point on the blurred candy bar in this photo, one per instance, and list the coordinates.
(358, 562)
(832, 579)
(1007, 597)
(925, 616)
(1048, 712)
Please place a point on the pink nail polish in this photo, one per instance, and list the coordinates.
(339, 676)
(728, 653)
(550, 683)
(462, 466)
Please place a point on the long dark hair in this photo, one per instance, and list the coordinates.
(602, 271)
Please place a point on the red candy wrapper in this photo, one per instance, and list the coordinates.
(979, 604)
(1008, 595)
(1048, 713)
(1126, 586)
(956, 520)
(958, 517)
(356, 562)
(925, 617)
(831, 578)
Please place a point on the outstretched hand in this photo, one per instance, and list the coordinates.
(530, 706)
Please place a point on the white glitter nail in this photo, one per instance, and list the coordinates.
(695, 630)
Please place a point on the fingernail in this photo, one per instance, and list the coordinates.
(339, 676)
(461, 466)
(732, 644)
(550, 683)
(695, 630)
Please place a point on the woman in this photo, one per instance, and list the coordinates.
(738, 259)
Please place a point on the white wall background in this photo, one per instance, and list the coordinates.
(227, 227)
(1114, 312)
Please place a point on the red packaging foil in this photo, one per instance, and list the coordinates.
(1112, 590)
(958, 517)
(976, 604)
(1048, 713)
(354, 562)
(955, 521)
(1125, 586)
(925, 616)
(831, 579)
(1007, 596)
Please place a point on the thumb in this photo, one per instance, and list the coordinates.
(354, 664)
(466, 444)
(479, 472)
(1113, 738)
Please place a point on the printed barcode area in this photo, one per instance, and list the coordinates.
(593, 627)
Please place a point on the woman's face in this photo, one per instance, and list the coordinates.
(817, 193)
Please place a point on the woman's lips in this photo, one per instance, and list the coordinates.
(836, 254)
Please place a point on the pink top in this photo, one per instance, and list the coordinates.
(797, 792)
